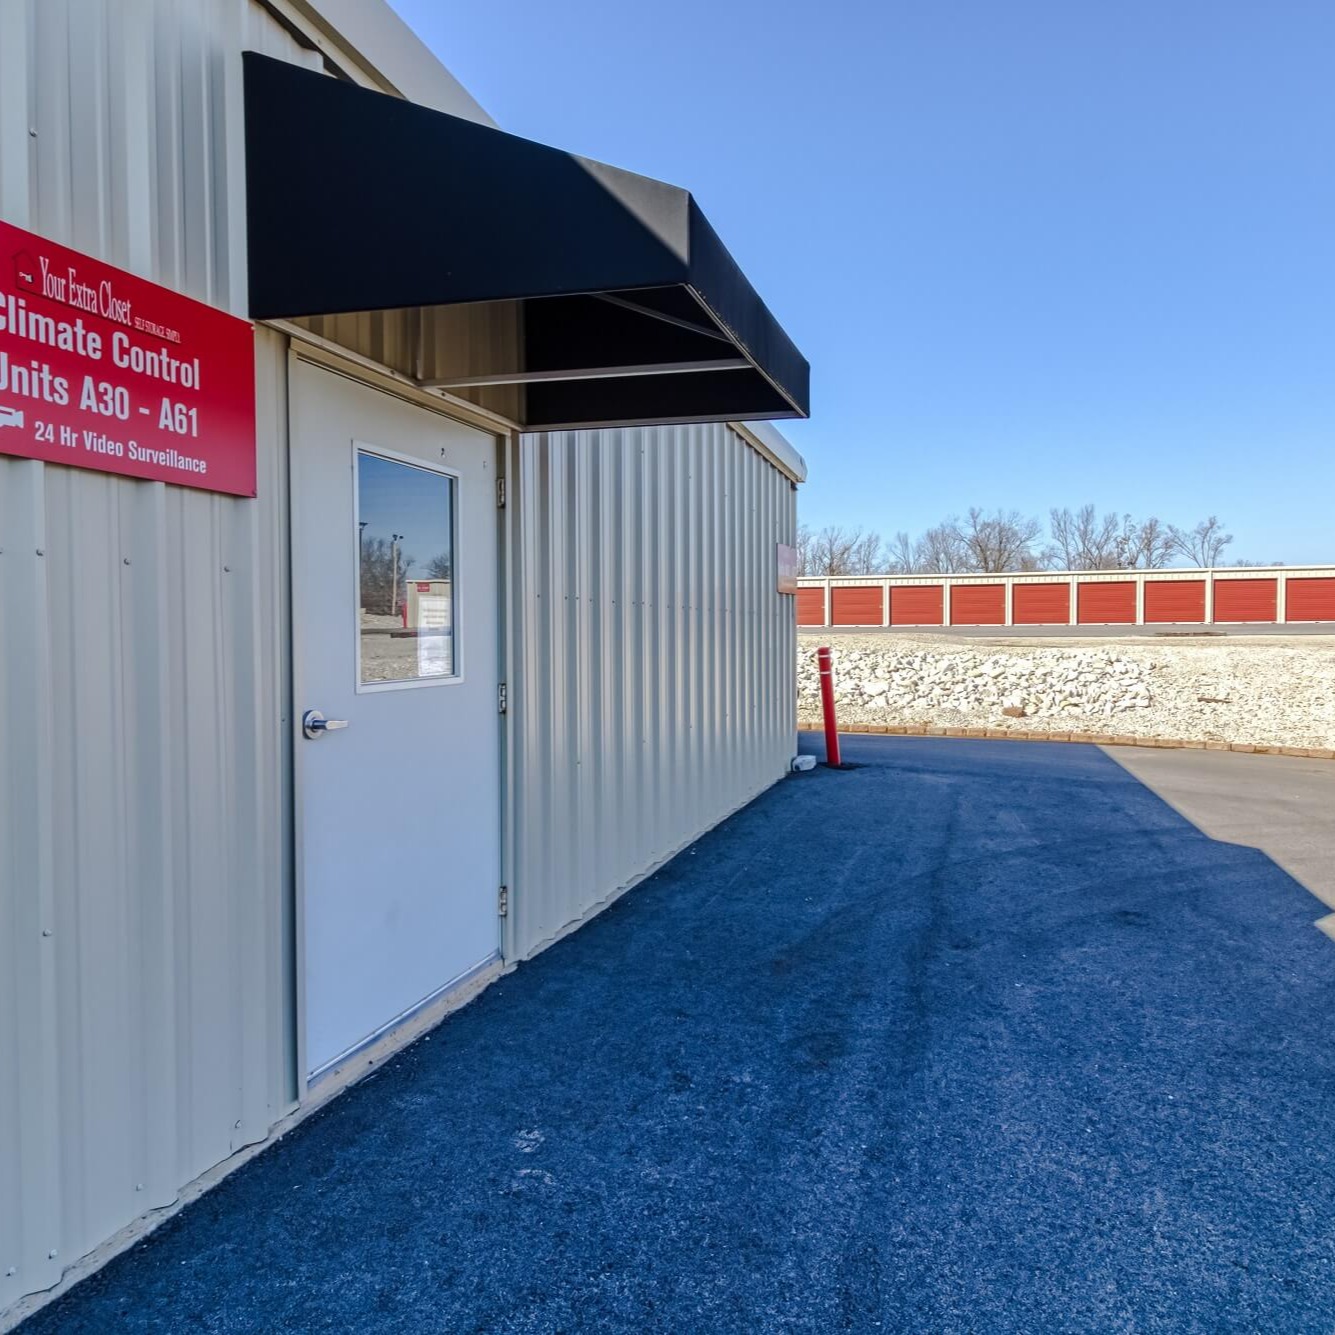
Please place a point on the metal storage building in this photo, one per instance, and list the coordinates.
(216, 905)
(1235, 594)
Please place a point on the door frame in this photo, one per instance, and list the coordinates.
(323, 356)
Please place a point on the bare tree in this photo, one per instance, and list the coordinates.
(805, 539)
(1083, 541)
(1125, 543)
(998, 542)
(1204, 544)
(865, 556)
(902, 555)
(384, 571)
(940, 551)
(1152, 544)
(831, 551)
(839, 551)
(1007, 540)
(1067, 542)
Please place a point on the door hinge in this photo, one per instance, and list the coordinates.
(502, 698)
(500, 493)
(503, 901)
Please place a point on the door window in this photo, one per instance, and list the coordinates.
(407, 595)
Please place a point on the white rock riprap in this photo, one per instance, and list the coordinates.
(1264, 690)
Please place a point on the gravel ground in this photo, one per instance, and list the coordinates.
(1264, 690)
(391, 654)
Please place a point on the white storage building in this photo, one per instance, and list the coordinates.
(499, 512)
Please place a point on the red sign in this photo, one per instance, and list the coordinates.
(100, 369)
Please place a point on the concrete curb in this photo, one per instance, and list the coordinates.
(1089, 738)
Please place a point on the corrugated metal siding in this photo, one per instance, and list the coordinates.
(858, 605)
(144, 932)
(437, 343)
(1180, 600)
(978, 605)
(1309, 600)
(1106, 602)
(143, 678)
(1245, 599)
(653, 659)
(1041, 604)
(917, 605)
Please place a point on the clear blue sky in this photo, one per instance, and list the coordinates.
(1037, 253)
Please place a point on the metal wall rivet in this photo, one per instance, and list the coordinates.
(51, 1255)
(40, 552)
(13, 1270)
(126, 560)
(46, 931)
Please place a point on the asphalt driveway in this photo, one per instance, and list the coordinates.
(1284, 805)
(981, 1036)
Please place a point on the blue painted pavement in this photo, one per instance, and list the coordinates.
(980, 1036)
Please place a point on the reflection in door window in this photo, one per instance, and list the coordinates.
(405, 571)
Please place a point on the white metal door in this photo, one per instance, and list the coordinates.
(395, 629)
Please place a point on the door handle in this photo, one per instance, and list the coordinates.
(314, 724)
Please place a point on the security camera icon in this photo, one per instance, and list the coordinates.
(10, 416)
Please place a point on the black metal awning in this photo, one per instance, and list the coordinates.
(630, 308)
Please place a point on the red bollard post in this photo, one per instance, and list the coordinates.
(825, 662)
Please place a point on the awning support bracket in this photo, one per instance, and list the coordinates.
(613, 299)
